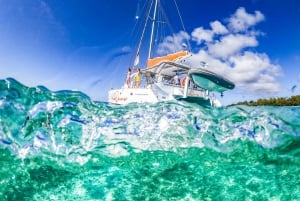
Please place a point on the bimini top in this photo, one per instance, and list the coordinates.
(202, 78)
(170, 57)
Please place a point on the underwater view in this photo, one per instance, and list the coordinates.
(64, 146)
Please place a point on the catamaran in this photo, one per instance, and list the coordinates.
(160, 77)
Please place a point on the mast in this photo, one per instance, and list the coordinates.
(152, 29)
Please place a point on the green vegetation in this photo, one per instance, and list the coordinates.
(291, 101)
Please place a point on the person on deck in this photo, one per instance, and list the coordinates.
(176, 80)
(137, 79)
(128, 78)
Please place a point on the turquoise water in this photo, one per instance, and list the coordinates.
(62, 146)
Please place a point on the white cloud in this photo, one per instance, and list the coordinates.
(241, 20)
(218, 27)
(202, 35)
(173, 43)
(254, 72)
(231, 44)
(213, 64)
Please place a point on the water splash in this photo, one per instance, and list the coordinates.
(63, 146)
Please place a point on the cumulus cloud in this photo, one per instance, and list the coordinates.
(241, 20)
(202, 35)
(228, 49)
(254, 72)
(231, 44)
(218, 28)
(173, 43)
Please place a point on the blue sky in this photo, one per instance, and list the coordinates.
(88, 45)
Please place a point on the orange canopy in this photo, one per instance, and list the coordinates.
(169, 57)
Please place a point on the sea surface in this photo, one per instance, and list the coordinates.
(64, 146)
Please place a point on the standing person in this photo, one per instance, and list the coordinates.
(137, 78)
(128, 77)
(176, 80)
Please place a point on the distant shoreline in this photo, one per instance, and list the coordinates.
(291, 101)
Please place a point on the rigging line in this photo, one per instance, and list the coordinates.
(138, 12)
(138, 26)
(171, 28)
(152, 28)
(158, 29)
(188, 43)
(135, 33)
(147, 18)
(174, 45)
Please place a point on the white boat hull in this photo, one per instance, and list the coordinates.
(131, 95)
(157, 93)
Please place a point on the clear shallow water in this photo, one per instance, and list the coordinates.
(63, 146)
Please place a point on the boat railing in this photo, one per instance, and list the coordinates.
(180, 86)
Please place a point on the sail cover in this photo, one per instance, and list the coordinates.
(170, 57)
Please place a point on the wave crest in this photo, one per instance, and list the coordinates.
(37, 121)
